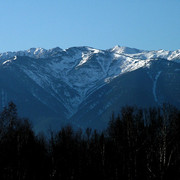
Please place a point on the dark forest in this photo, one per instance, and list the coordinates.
(137, 144)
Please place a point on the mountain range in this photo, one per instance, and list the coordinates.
(82, 86)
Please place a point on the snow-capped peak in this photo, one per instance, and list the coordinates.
(43, 53)
(81, 69)
(33, 53)
(125, 50)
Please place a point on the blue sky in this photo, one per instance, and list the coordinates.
(143, 24)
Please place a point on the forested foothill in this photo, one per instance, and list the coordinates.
(137, 144)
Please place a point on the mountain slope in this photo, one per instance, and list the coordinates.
(83, 85)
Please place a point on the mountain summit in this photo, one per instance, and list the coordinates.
(84, 85)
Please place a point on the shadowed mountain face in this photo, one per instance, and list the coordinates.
(83, 85)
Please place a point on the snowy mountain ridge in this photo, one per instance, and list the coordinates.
(71, 77)
(55, 52)
(83, 69)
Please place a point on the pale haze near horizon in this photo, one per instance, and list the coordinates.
(102, 24)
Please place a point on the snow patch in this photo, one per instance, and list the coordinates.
(154, 86)
(5, 62)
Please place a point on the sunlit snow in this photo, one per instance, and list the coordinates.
(83, 70)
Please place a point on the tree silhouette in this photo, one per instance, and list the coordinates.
(137, 144)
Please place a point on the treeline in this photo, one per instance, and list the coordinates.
(138, 144)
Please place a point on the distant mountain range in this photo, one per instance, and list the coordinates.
(83, 86)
